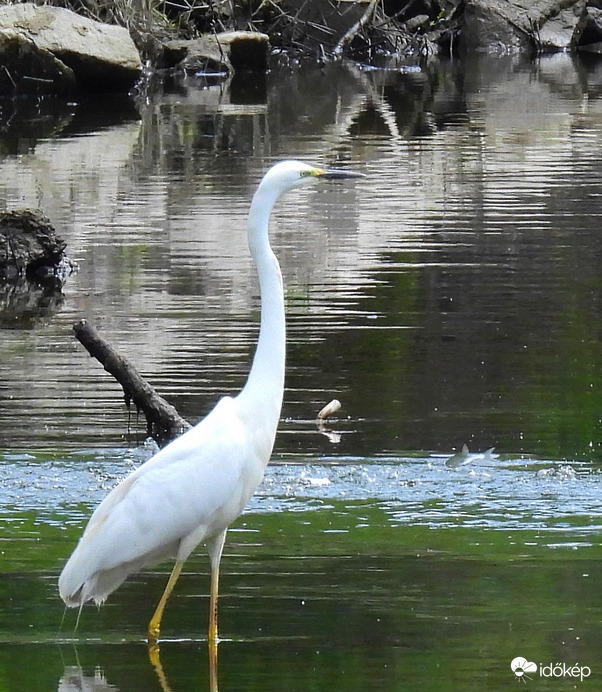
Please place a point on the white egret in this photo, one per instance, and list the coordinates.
(195, 487)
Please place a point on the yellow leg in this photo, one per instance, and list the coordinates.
(154, 626)
(215, 546)
(215, 552)
(213, 605)
(213, 679)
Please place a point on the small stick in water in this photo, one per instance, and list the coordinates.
(329, 409)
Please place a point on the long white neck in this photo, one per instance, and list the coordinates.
(261, 399)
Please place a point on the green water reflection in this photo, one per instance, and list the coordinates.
(308, 603)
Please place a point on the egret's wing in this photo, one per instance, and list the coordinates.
(192, 489)
(192, 444)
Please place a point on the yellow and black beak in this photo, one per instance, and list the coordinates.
(336, 174)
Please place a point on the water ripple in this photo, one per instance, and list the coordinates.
(492, 493)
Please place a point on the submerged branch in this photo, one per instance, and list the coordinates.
(163, 422)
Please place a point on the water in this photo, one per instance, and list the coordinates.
(450, 297)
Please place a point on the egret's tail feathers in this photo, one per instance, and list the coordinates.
(81, 581)
(91, 590)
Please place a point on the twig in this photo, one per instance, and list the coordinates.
(393, 17)
(357, 27)
(8, 74)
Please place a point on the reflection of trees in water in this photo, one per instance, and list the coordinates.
(468, 162)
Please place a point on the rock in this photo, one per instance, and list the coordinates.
(173, 52)
(495, 26)
(419, 21)
(589, 32)
(26, 68)
(33, 269)
(513, 26)
(29, 245)
(230, 51)
(560, 32)
(205, 55)
(247, 50)
(102, 57)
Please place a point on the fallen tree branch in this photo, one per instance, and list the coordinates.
(163, 422)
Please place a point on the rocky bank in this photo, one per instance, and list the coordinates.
(46, 49)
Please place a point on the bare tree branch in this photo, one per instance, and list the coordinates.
(163, 422)
(357, 27)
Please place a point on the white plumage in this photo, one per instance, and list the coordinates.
(194, 488)
(189, 491)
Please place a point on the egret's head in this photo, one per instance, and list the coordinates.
(287, 175)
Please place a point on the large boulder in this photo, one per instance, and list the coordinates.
(29, 69)
(102, 57)
(512, 26)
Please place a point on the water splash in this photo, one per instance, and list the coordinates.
(492, 493)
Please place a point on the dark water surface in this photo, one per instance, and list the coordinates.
(452, 296)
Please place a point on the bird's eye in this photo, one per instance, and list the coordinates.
(305, 174)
